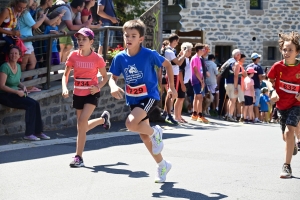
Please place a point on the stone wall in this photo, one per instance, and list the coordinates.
(57, 112)
(231, 22)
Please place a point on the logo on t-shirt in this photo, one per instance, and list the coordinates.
(132, 74)
(297, 76)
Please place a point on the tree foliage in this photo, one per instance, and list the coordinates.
(129, 9)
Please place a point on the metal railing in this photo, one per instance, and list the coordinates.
(43, 74)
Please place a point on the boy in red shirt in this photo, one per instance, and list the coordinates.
(285, 74)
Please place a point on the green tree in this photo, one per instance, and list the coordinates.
(136, 9)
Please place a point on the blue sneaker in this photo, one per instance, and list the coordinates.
(171, 120)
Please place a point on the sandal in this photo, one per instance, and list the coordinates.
(34, 89)
(183, 120)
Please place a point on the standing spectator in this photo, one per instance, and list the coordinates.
(211, 81)
(187, 81)
(8, 22)
(198, 84)
(11, 96)
(107, 14)
(264, 102)
(231, 83)
(257, 78)
(26, 24)
(72, 21)
(241, 99)
(176, 62)
(249, 96)
(181, 86)
(32, 8)
(86, 13)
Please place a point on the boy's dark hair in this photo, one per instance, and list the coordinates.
(243, 56)
(293, 37)
(137, 25)
(76, 3)
(211, 56)
(173, 37)
(199, 46)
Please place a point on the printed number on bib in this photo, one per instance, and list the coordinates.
(82, 83)
(289, 87)
(137, 91)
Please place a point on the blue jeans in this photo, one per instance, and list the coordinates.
(257, 95)
(111, 35)
(33, 120)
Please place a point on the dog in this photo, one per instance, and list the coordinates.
(207, 100)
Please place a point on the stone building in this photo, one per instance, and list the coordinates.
(229, 24)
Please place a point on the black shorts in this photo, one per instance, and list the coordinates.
(248, 100)
(189, 89)
(181, 94)
(164, 81)
(289, 117)
(79, 101)
(147, 105)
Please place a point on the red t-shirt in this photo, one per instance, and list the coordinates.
(85, 12)
(85, 69)
(287, 84)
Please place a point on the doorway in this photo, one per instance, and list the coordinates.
(222, 53)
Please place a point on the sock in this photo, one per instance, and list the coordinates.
(242, 116)
(229, 115)
(256, 119)
(217, 108)
(238, 115)
(162, 163)
(200, 114)
(226, 115)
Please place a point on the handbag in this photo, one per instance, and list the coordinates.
(23, 48)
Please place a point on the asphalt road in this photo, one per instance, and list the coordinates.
(221, 160)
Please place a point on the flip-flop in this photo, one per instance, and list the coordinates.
(183, 120)
(34, 89)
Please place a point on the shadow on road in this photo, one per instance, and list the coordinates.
(108, 169)
(168, 190)
(67, 148)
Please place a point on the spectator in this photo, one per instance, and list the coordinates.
(256, 78)
(108, 17)
(264, 102)
(72, 21)
(8, 22)
(86, 13)
(211, 81)
(26, 23)
(181, 86)
(32, 8)
(10, 74)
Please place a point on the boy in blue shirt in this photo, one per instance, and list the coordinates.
(137, 64)
(264, 102)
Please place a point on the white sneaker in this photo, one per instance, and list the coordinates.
(157, 143)
(161, 173)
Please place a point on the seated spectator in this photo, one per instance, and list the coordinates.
(86, 13)
(26, 23)
(8, 22)
(11, 96)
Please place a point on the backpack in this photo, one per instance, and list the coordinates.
(224, 73)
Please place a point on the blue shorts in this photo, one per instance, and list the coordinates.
(197, 89)
(257, 96)
(111, 35)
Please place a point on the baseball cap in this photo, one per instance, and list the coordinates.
(255, 55)
(251, 70)
(85, 32)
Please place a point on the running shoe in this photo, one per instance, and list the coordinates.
(286, 171)
(298, 144)
(230, 119)
(43, 136)
(32, 138)
(245, 121)
(295, 150)
(171, 120)
(157, 142)
(106, 116)
(202, 120)
(77, 162)
(257, 121)
(194, 117)
(242, 119)
(161, 173)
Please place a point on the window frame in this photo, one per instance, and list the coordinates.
(258, 7)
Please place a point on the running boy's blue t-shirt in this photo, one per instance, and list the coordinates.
(54, 41)
(263, 102)
(138, 70)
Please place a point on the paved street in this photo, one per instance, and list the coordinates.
(220, 160)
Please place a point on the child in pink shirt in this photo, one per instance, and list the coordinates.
(249, 95)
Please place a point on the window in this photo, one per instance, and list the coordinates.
(255, 4)
(271, 53)
(180, 2)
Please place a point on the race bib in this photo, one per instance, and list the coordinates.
(137, 91)
(289, 87)
(82, 83)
